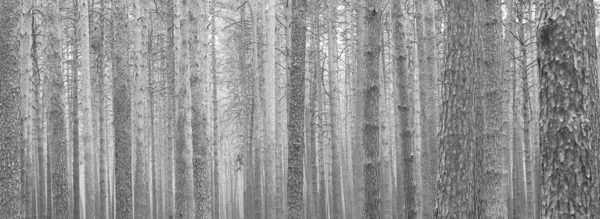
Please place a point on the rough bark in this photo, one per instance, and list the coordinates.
(75, 118)
(569, 113)
(215, 110)
(55, 114)
(11, 142)
(371, 109)
(122, 114)
(296, 110)
(198, 45)
(184, 173)
(358, 151)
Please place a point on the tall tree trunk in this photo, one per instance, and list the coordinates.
(102, 196)
(456, 183)
(492, 195)
(56, 118)
(75, 118)
(169, 189)
(429, 117)
(371, 104)
(184, 173)
(38, 129)
(141, 189)
(25, 69)
(11, 141)
(270, 112)
(198, 44)
(122, 114)
(296, 110)
(334, 111)
(215, 110)
(405, 185)
(569, 113)
(87, 146)
(257, 113)
(358, 151)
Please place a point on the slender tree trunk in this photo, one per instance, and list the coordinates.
(270, 112)
(25, 69)
(215, 110)
(102, 196)
(75, 119)
(405, 186)
(296, 110)
(334, 111)
(11, 138)
(569, 115)
(169, 189)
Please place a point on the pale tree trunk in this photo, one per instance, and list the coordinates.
(492, 195)
(312, 189)
(141, 188)
(87, 145)
(169, 195)
(25, 69)
(358, 151)
(296, 110)
(11, 138)
(569, 112)
(184, 173)
(102, 161)
(508, 126)
(270, 112)
(403, 82)
(257, 114)
(248, 152)
(429, 117)
(336, 186)
(215, 110)
(198, 45)
(56, 124)
(38, 129)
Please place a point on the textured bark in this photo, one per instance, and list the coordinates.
(122, 114)
(296, 110)
(456, 184)
(56, 127)
(508, 106)
(492, 202)
(141, 149)
(371, 109)
(75, 118)
(86, 147)
(184, 173)
(11, 142)
(336, 185)
(403, 112)
(247, 158)
(25, 68)
(38, 129)
(198, 46)
(569, 113)
(429, 116)
(102, 210)
(169, 195)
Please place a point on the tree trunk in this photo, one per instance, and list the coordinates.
(569, 115)
(215, 111)
(270, 112)
(25, 69)
(336, 184)
(184, 173)
(296, 110)
(456, 184)
(371, 104)
(11, 138)
(122, 114)
(405, 186)
(87, 146)
(198, 44)
(56, 118)
(358, 151)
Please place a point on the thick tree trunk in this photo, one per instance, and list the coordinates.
(569, 113)
(55, 114)
(122, 114)
(184, 172)
(11, 138)
(296, 110)
(198, 44)
(358, 151)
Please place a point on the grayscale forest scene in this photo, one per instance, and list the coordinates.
(299, 109)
